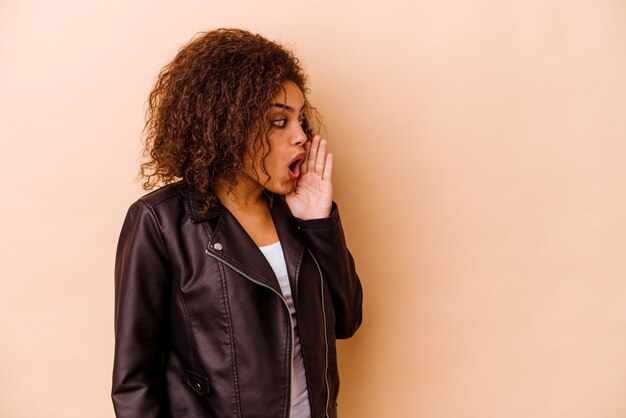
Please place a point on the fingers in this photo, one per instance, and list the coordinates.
(320, 159)
(328, 169)
(312, 157)
(316, 159)
(304, 167)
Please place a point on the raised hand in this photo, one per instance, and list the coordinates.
(312, 197)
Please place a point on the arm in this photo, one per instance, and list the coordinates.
(327, 240)
(318, 217)
(141, 292)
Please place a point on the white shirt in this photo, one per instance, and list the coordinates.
(300, 407)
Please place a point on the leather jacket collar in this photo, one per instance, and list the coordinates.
(235, 245)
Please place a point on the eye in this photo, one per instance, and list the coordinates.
(280, 123)
(302, 121)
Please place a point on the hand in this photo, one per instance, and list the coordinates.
(312, 197)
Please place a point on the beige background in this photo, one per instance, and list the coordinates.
(480, 168)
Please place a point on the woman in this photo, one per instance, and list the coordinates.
(233, 280)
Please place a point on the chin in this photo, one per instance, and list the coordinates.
(281, 188)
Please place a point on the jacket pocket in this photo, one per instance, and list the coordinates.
(200, 384)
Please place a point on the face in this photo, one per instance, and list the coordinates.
(286, 140)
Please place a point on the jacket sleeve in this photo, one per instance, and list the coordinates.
(141, 292)
(327, 241)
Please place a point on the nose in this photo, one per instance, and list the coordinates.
(299, 136)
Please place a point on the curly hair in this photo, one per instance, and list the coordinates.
(209, 102)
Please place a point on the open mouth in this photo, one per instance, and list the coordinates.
(294, 167)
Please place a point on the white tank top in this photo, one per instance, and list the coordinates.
(299, 396)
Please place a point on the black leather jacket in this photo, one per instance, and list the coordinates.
(201, 327)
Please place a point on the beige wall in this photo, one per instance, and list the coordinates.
(480, 167)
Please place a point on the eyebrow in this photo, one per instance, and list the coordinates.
(284, 106)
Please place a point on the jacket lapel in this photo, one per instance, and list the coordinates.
(229, 242)
(290, 238)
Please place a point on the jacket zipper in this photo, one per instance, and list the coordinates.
(325, 333)
(288, 314)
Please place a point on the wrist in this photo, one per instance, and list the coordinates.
(320, 218)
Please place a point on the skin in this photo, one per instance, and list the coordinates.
(308, 197)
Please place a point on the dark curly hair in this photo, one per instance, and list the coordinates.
(209, 102)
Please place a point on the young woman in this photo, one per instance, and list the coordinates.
(233, 280)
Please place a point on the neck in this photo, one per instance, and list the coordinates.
(245, 195)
